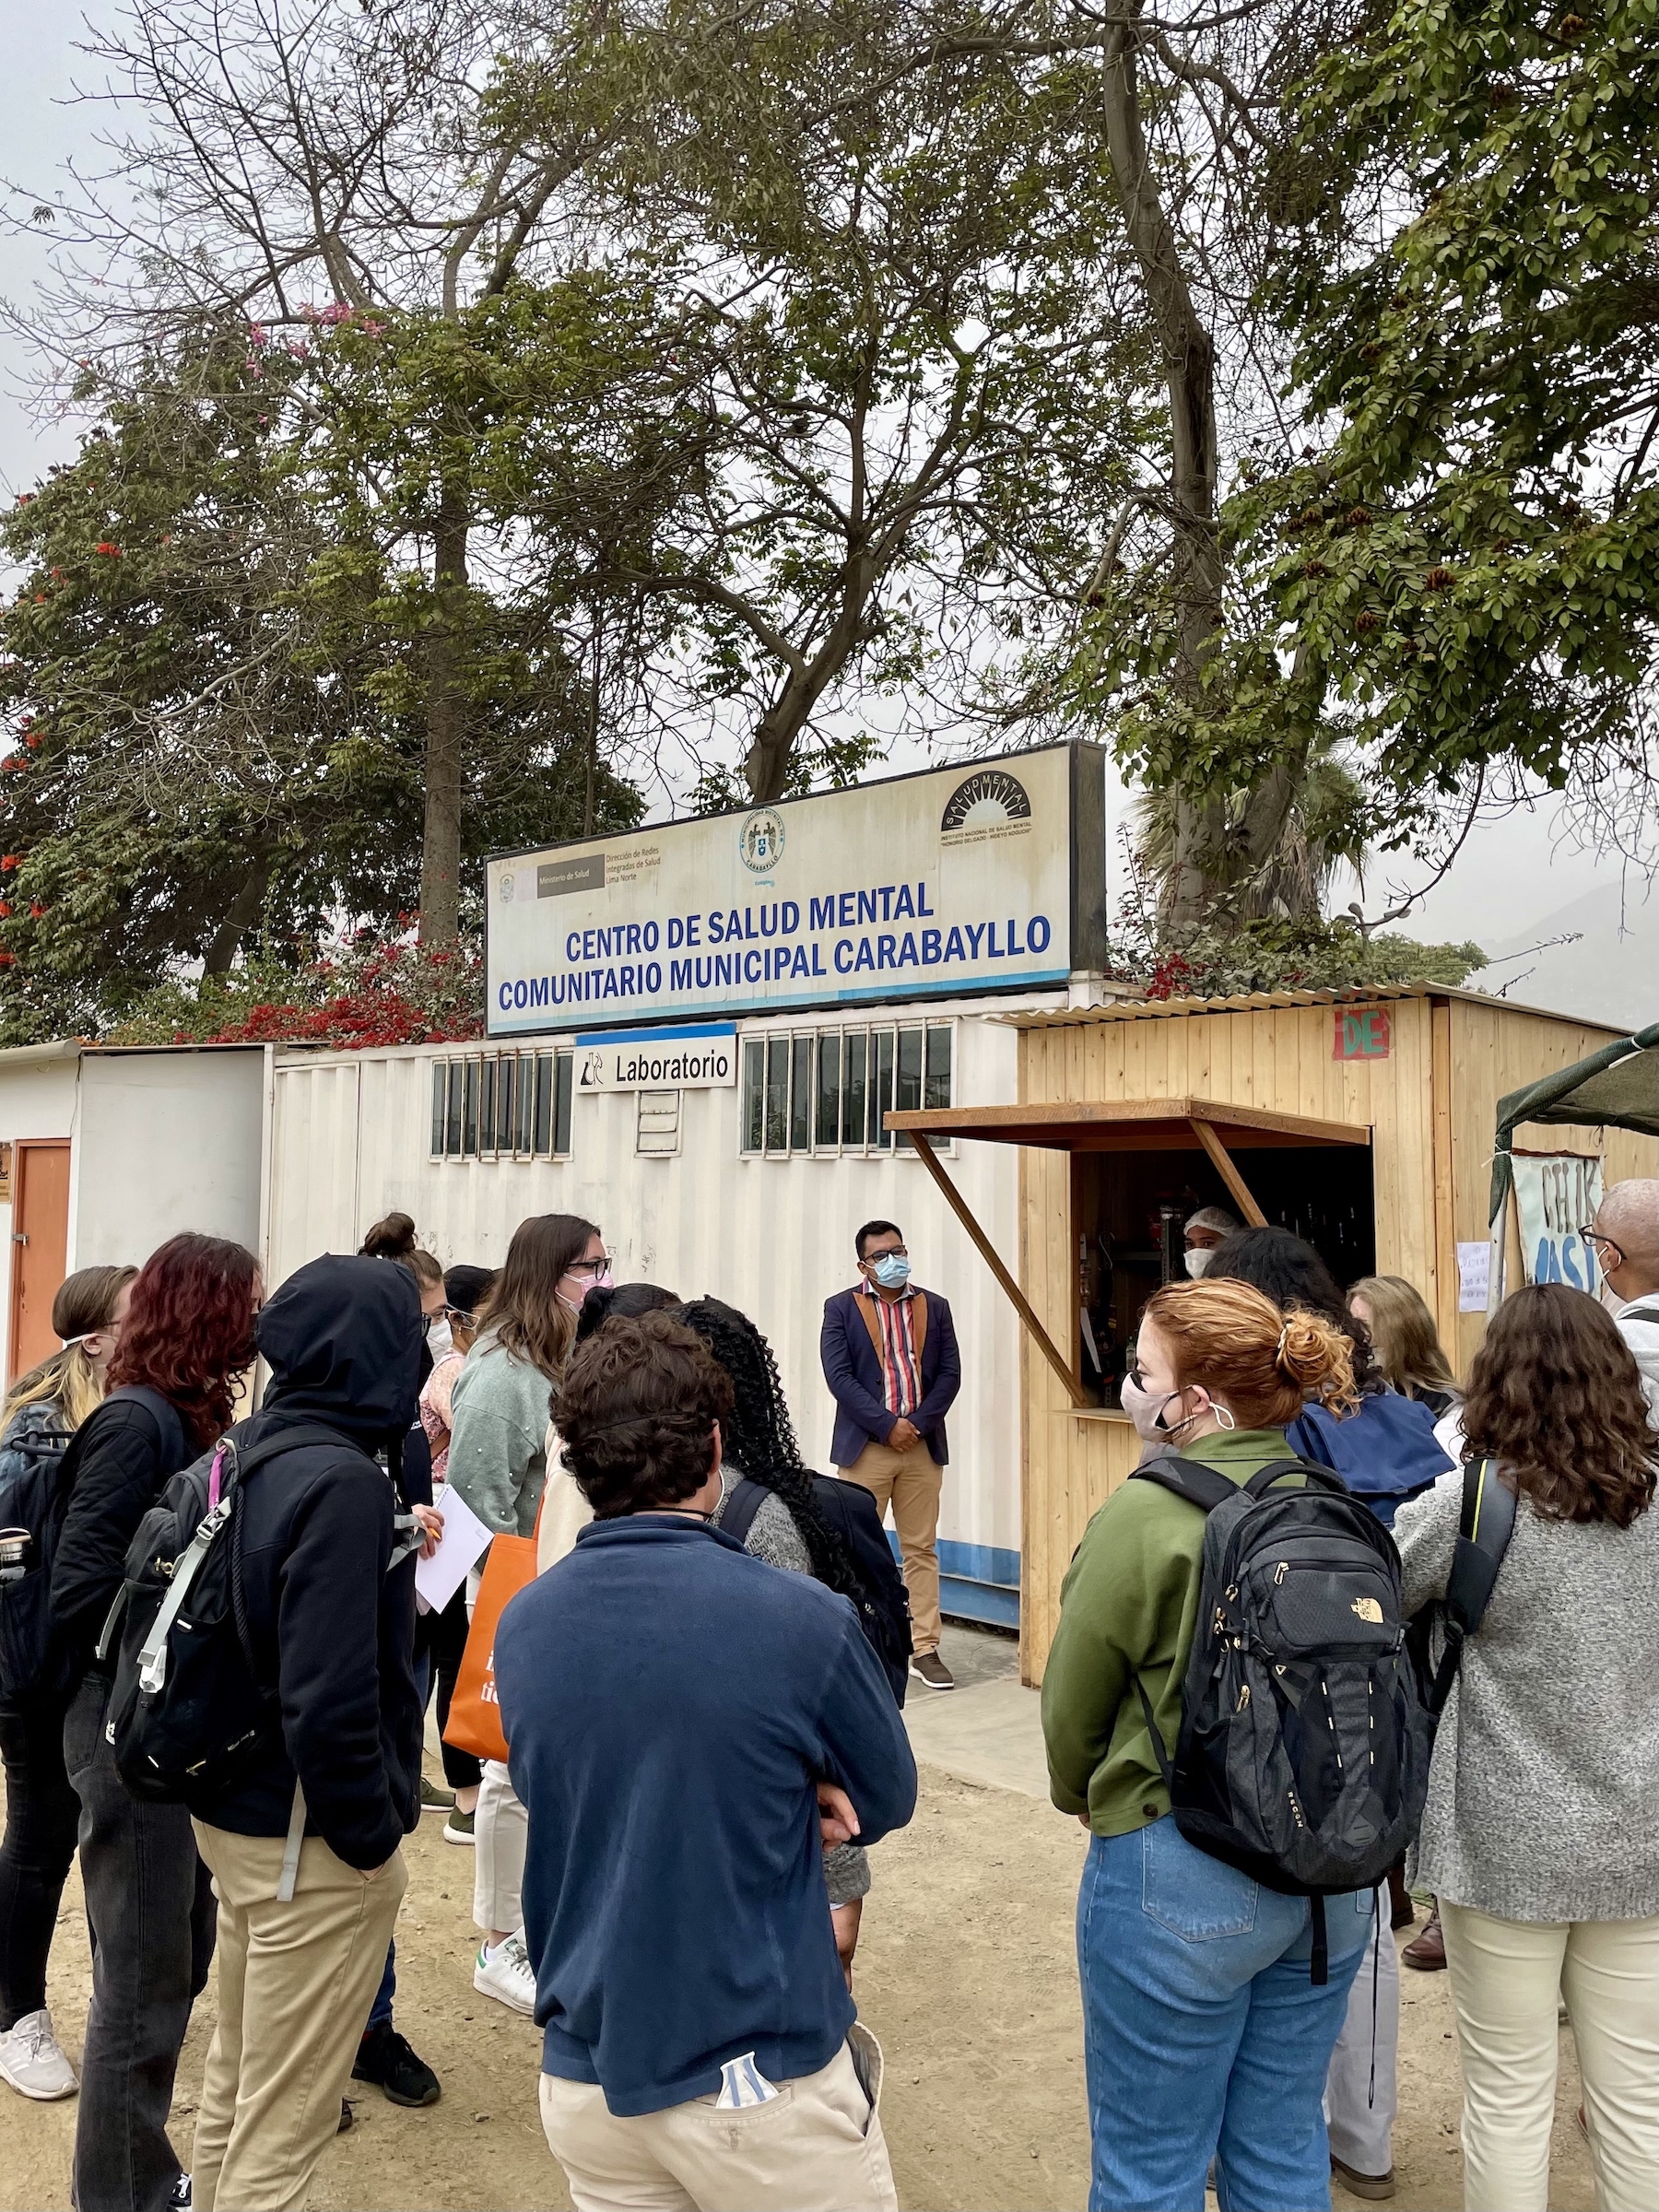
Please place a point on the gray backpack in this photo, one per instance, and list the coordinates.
(1303, 1754)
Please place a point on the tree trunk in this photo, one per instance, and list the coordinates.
(590, 799)
(1190, 375)
(239, 917)
(441, 847)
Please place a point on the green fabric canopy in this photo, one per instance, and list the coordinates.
(1618, 1087)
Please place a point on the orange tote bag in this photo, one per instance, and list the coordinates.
(475, 1713)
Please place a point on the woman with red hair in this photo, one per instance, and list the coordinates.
(174, 1379)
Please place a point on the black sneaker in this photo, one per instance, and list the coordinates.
(384, 2058)
(178, 2196)
(927, 1666)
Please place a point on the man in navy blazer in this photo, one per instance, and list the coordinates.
(889, 1356)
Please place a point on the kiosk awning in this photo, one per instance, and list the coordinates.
(1111, 1125)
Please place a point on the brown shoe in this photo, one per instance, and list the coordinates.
(1374, 2185)
(1427, 1952)
(927, 1666)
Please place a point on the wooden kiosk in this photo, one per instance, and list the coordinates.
(1363, 1120)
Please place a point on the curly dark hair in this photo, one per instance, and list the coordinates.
(635, 1413)
(1288, 1269)
(759, 1437)
(1554, 1396)
(190, 1328)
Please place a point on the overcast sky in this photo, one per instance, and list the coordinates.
(1512, 881)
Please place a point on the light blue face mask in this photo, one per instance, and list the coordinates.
(891, 1270)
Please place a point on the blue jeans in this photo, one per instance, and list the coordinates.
(1202, 2035)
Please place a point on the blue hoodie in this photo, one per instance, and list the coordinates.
(670, 1703)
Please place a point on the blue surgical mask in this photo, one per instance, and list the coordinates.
(891, 1270)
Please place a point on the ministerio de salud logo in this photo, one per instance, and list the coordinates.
(760, 841)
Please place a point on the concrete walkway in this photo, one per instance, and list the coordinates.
(989, 1729)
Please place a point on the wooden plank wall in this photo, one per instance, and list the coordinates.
(1495, 1050)
(1276, 1058)
(1431, 1162)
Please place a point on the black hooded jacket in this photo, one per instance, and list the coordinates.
(329, 1628)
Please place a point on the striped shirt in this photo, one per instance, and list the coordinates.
(900, 1369)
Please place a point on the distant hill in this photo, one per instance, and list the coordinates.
(1611, 974)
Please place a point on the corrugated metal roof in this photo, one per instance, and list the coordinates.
(1251, 1002)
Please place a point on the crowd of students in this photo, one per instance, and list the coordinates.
(701, 1685)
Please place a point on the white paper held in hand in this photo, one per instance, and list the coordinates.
(465, 1537)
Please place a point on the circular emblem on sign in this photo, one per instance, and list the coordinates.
(506, 891)
(988, 796)
(760, 841)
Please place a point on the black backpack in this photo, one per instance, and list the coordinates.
(188, 1711)
(37, 1501)
(883, 1602)
(1303, 1754)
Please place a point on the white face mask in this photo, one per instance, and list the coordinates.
(1143, 1406)
(441, 1340)
(1198, 1257)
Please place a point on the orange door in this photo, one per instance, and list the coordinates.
(40, 1250)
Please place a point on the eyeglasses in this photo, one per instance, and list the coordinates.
(460, 1316)
(594, 1268)
(888, 1251)
(1601, 1243)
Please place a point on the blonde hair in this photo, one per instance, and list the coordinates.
(1402, 1335)
(1262, 1363)
(85, 1304)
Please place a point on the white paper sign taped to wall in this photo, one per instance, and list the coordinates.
(1474, 1277)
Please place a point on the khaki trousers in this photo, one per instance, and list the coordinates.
(817, 2147)
(295, 1984)
(911, 1483)
(1505, 1975)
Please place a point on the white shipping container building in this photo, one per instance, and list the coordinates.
(765, 999)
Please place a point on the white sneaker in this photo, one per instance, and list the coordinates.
(32, 2061)
(506, 1974)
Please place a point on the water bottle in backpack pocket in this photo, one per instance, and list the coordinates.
(1302, 1757)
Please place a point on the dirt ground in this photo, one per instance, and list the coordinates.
(965, 1972)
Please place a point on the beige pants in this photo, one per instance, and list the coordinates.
(816, 2147)
(911, 1483)
(500, 1839)
(295, 1984)
(1505, 1974)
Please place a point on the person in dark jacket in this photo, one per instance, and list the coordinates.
(322, 1808)
(699, 2044)
(43, 1409)
(889, 1352)
(187, 1340)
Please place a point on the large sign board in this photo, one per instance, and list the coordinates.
(950, 883)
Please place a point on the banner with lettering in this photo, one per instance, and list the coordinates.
(1556, 1195)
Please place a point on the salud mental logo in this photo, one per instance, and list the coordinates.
(986, 800)
(761, 841)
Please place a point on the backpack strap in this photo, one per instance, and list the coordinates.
(737, 1514)
(1204, 1487)
(1640, 1313)
(1485, 1522)
(175, 1444)
(1314, 1477)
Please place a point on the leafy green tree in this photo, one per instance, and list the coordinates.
(1468, 566)
(217, 714)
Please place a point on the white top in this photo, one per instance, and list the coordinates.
(1642, 1336)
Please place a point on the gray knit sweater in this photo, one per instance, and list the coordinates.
(1544, 1792)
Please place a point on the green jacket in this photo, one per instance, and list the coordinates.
(1127, 1607)
(497, 1460)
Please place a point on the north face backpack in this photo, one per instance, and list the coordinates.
(187, 1710)
(883, 1602)
(36, 1483)
(1302, 1757)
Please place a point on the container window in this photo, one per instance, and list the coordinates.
(936, 1088)
(452, 1138)
(486, 1110)
(881, 1100)
(777, 1094)
(506, 1075)
(469, 1112)
(754, 1094)
(542, 1131)
(828, 1092)
(564, 1078)
(800, 1095)
(856, 1053)
(439, 1105)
